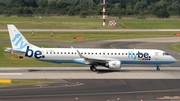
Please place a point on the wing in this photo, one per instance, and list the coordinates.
(95, 60)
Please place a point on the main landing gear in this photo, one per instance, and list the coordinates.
(158, 69)
(93, 68)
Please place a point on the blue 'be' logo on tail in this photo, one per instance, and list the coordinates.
(19, 41)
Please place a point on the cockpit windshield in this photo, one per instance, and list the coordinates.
(165, 54)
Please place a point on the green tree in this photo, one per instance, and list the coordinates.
(162, 13)
(71, 12)
(83, 14)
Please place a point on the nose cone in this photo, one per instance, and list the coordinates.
(173, 59)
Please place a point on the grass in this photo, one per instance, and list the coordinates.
(85, 23)
(30, 82)
(69, 36)
(150, 23)
(175, 47)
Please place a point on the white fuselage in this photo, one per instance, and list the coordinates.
(125, 56)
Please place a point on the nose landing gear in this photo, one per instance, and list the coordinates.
(158, 69)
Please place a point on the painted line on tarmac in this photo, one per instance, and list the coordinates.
(6, 74)
(10, 68)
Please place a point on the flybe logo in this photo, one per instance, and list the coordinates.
(18, 41)
(139, 55)
(37, 54)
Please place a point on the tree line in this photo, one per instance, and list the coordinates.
(83, 8)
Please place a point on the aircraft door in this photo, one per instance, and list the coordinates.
(156, 55)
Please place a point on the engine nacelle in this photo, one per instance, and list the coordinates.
(113, 64)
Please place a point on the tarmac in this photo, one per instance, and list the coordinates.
(86, 73)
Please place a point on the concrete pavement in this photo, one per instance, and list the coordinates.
(85, 73)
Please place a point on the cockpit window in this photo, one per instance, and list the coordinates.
(165, 54)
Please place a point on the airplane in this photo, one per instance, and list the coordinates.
(109, 58)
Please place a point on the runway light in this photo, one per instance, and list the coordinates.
(118, 99)
(76, 98)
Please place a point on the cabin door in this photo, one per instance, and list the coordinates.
(156, 55)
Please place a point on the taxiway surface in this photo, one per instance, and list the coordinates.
(96, 90)
(86, 73)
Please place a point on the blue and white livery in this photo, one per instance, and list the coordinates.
(109, 58)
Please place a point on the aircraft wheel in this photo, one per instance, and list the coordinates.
(93, 68)
(158, 69)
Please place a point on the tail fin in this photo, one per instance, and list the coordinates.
(18, 41)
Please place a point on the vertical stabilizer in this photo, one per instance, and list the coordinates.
(18, 41)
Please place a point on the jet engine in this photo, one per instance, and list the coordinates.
(113, 64)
